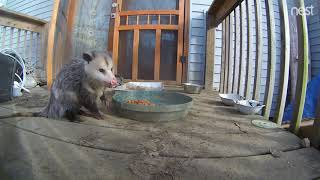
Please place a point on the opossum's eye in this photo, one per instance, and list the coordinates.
(111, 69)
(102, 71)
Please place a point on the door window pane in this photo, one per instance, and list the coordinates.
(132, 20)
(123, 20)
(165, 19)
(125, 54)
(146, 54)
(129, 5)
(154, 19)
(168, 55)
(174, 19)
(143, 19)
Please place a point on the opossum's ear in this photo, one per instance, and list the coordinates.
(87, 56)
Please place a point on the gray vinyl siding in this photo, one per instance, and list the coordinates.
(197, 36)
(38, 8)
(314, 36)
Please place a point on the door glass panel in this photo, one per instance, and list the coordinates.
(154, 19)
(147, 46)
(174, 20)
(168, 55)
(132, 20)
(129, 5)
(165, 19)
(125, 54)
(143, 19)
(123, 20)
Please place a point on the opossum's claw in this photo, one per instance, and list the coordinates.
(98, 116)
(103, 100)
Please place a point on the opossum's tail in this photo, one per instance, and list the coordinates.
(22, 114)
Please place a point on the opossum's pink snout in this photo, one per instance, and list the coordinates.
(114, 82)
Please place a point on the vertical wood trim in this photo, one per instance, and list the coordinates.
(241, 64)
(43, 46)
(180, 41)
(11, 37)
(50, 47)
(170, 18)
(284, 79)
(210, 58)
(230, 48)
(259, 43)
(70, 25)
(148, 19)
(4, 32)
(30, 46)
(186, 39)
(272, 59)
(236, 60)
(303, 72)
(157, 55)
(25, 44)
(223, 52)
(111, 28)
(18, 41)
(37, 50)
(249, 49)
(116, 38)
(135, 55)
(226, 61)
(138, 19)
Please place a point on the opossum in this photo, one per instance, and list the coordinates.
(80, 83)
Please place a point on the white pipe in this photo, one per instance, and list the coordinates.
(20, 61)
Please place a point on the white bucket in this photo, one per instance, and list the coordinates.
(16, 90)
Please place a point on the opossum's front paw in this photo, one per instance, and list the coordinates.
(98, 116)
(103, 100)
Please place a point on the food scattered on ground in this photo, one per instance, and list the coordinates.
(141, 102)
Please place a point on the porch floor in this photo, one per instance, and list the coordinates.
(212, 142)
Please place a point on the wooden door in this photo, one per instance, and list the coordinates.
(148, 40)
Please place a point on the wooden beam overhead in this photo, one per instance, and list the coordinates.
(220, 9)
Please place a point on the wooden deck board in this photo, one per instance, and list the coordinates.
(208, 139)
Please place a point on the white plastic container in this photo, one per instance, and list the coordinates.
(143, 86)
(249, 107)
(230, 99)
(16, 92)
